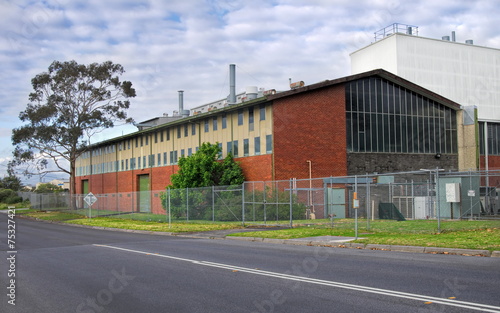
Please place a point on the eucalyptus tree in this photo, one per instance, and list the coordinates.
(69, 104)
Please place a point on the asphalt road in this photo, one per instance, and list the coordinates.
(61, 268)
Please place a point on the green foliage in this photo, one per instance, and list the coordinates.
(202, 169)
(232, 173)
(225, 204)
(69, 104)
(11, 182)
(9, 196)
(48, 188)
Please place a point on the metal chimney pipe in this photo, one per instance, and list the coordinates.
(181, 101)
(232, 84)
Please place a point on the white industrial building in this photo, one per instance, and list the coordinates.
(461, 71)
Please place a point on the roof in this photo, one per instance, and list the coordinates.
(379, 73)
(324, 84)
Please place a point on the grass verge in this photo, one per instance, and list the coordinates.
(484, 235)
(179, 227)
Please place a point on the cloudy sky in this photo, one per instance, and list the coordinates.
(170, 45)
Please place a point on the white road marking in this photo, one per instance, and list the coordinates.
(392, 293)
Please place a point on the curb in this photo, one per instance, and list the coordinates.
(396, 248)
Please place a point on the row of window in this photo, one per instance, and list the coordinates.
(162, 159)
(493, 132)
(181, 130)
(99, 151)
(384, 117)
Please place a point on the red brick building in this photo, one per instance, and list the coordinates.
(364, 123)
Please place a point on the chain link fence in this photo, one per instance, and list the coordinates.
(425, 194)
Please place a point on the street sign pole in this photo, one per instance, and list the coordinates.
(90, 199)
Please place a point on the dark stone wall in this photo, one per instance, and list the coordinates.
(363, 163)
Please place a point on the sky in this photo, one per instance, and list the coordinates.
(166, 46)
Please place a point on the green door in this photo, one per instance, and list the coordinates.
(335, 199)
(144, 194)
(85, 187)
(85, 191)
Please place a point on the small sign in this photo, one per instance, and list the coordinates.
(90, 199)
(355, 204)
(471, 193)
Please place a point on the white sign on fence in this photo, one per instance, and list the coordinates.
(90, 199)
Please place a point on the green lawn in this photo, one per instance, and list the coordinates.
(197, 226)
(454, 234)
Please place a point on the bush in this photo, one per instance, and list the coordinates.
(6, 194)
(13, 199)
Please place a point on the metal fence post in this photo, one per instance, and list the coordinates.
(368, 203)
(213, 203)
(291, 205)
(187, 204)
(169, 215)
(243, 204)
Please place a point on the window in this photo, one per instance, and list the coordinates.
(161, 136)
(250, 115)
(138, 162)
(164, 158)
(147, 139)
(151, 160)
(171, 157)
(206, 126)
(179, 131)
(132, 163)
(229, 147)
(128, 144)
(182, 153)
(214, 122)
(126, 164)
(159, 159)
(186, 130)
(156, 137)
(190, 151)
(262, 112)
(168, 134)
(142, 141)
(193, 129)
(245, 147)
(257, 145)
(122, 163)
(250, 119)
(269, 143)
(136, 142)
(240, 117)
(384, 117)
(492, 138)
(224, 120)
(235, 148)
(143, 161)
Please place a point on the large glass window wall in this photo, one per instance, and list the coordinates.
(384, 117)
(493, 138)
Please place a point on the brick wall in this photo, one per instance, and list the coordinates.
(363, 163)
(493, 164)
(310, 126)
(257, 168)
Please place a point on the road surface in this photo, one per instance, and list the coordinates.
(59, 268)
